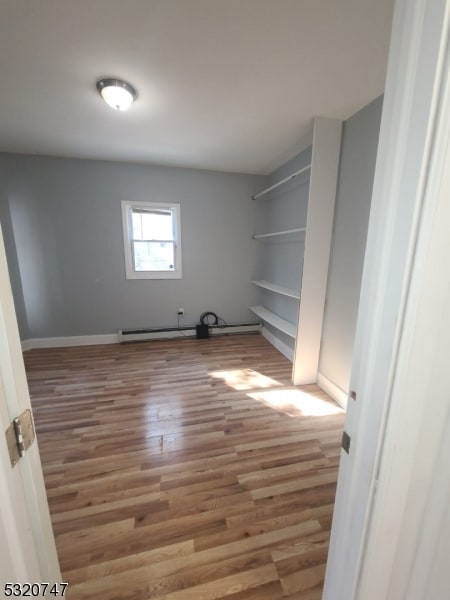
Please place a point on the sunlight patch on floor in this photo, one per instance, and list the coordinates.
(244, 379)
(296, 402)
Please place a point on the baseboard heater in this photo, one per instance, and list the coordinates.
(160, 333)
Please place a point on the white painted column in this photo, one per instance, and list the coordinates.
(319, 228)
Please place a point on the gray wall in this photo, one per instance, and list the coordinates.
(354, 193)
(62, 219)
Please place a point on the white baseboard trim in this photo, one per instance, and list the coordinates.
(279, 345)
(27, 345)
(333, 390)
(76, 340)
(115, 338)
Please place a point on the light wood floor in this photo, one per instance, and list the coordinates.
(185, 469)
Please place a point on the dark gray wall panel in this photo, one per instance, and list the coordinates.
(351, 218)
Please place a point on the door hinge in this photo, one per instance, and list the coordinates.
(19, 436)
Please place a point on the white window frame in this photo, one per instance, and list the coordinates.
(131, 273)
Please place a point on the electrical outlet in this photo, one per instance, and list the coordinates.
(180, 312)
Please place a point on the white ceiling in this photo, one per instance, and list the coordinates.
(230, 85)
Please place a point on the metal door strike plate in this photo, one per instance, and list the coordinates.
(346, 442)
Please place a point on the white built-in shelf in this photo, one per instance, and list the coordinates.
(275, 185)
(258, 236)
(278, 289)
(274, 320)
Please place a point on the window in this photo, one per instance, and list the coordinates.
(151, 234)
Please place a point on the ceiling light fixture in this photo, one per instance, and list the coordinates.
(117, 93)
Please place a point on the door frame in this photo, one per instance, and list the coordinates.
(29, 551)
(385, 419)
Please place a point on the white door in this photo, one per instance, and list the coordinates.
(27, 548)
(412, 115)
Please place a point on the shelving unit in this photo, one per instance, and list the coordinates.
(269, 317)
(258, 236)
(302, 345)
(285, 180)
(278, 289)
(280, 294)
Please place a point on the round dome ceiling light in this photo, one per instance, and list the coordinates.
(118, 94)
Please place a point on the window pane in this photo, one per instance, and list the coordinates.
(154, 256)
(136, 223)
(152, 237)
(156, 225)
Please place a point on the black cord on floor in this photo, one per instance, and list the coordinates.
(222, 323)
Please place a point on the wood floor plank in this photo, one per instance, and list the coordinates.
(308, 481)
(185, 469)
(304, 580)
(220, 588)
(131, 562)
(140, 571)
